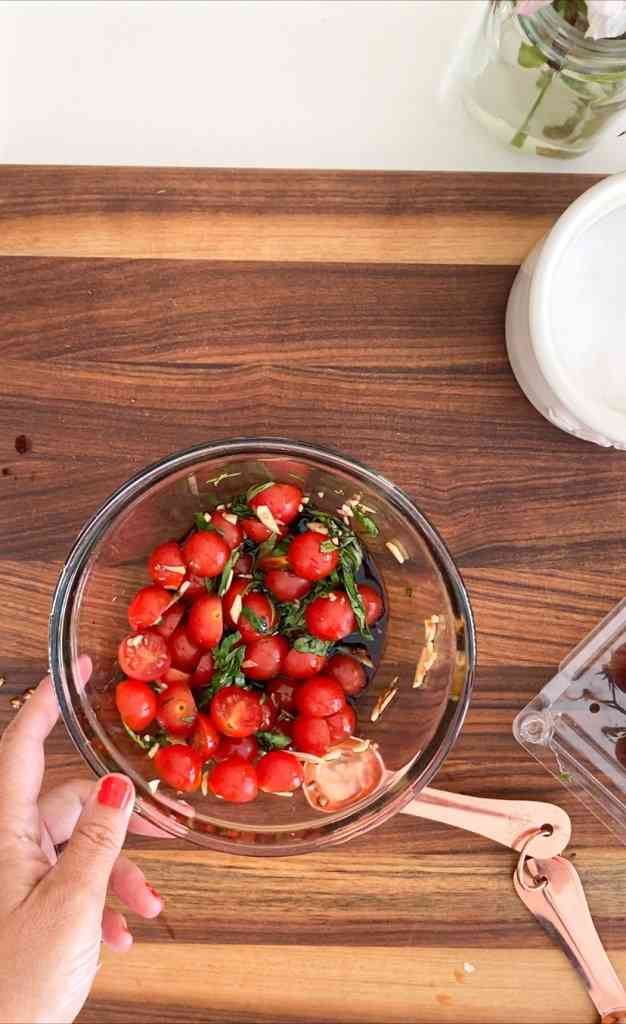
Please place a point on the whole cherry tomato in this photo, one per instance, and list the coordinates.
(179, 766)
(285, 585)
(311, 735)
(281, 693)
(302, 665)
(147, 607)
(234, 780)
(194, 587)
(205, 625)
(264, 657)
(170, 619)
(307, 559)
(320, 697)
(246, 747)
(144, 656)
(203, 672)
(283, 500)
(372, 602)
(177, 711)
(136, 703)
(205, 739)
(255, 609)
(279, 772)
(348, 672)
(330, 617)
(342, 724)
(205, 553)
(230, 530)
(184, 652)
(166, 565)
(255, 530)
(236, 712)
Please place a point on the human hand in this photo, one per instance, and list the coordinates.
(52, 908)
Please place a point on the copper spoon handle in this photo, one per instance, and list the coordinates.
(510, 822)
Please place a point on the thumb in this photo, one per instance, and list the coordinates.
(88, 858)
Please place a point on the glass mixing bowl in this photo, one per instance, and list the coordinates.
(108, 564)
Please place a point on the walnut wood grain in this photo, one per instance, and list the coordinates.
(145, 310)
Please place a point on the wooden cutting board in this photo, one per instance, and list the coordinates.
(144, 311)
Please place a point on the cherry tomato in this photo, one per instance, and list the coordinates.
(286, 586)
(234, 780)
(246, 747)
(205, 738)
(170, 619)
(273, 561)
(147, 607)
(348, 672)
(311, 735)
(236, 712)
(204, 671)
(307, 559)
(331, 617)
(231, 532)
(230, 604)
(179, 766)
(166, 565)
(243, 565)
(136, 703)
(342, 724)
(195, 587)
(174, 676)
(372, 602)
(185, 653)
(205, 553)
(264, 657)
(258, 532)
(283, 501)
(259, 605)
(281, 693)
(205, 625)
(320, 697)
(144, 656)
(269, 711)
(302, 665)
(177, 711)
(279, 772)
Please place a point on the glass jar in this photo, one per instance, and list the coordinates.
(540, 85)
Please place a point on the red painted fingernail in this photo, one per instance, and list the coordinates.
(114, 791)
(157, 895)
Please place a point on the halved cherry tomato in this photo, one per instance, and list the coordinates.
(302, 665)
(285, 585)
(205, 553)
(173, 676)
(205, 738)
(260, 607)
(144, 656)
(243, 565)
(348, 672)
(320, 697)
(204, 671)
(205, 625)
(307, 559)
(281, 693)
(147, 607)
(166, 565)
(136, 703)
(170, 619)
(342, 724)
(236, 712)
(232, 601)
(231, 532)
(264, 657)
(179, 766)
(246, 747)
(311, 735)
(258, 532)
(372, 602)
(177, 711)
(279, 772)
(185, 653)
(330, 617)
(234, 780)
(283, 501)
(269, 711)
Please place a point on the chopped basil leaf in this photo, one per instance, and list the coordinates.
(257, 489)
(327, 546)
(268, 545)
(209, 583)
(312, 645)
(273, 740)
(239, 506)
(135, 738)
(349, 582)
(203, 524)
(365, 522)
(291, 615)
(227, 659)
(227, 572)
(261, 625)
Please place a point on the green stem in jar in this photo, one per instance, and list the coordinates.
(521, 134)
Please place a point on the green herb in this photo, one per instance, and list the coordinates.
(228, 572)
(327, 546)
(311, 645)
(267, 547)
(349, 582)
(565, 777)
(273, 740)
(530, 56)
(135, 738)
(365, 522)
(291, 616)
(257, 489)
(209, 584)
(227, 659)
(239, 506)
(203, 524)
(260, 625)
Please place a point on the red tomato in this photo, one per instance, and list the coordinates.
(136, 703)
(279, 772)
(264, 657)
(311, 735)
(185, 653)
(174, 676)
(231, 532)
(194, 589)
(205, 625)
(177, 711)
(236, 712)
(372, 602)
(234, 780)
(257, 532)
(259, 605)
(348, 672)
(230, 603)
(285, 585)
(307, 559)
(144, 656)
(205, 738)
(281, 693)
(342, 724)
(320, 697)
(204, 671)
(273, 561)
(246, 747)
(301, 665)
(166, 565)
(179, 766)
(147, 607)
(243, 565)
(331, 617)
(170, 619)
(269, 711)
(283, 501)
(205, 554)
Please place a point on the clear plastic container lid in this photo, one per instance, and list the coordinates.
(576, 726)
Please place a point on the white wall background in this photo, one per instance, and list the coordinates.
(248, 83)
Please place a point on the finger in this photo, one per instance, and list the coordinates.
(129, 884)
(61, 808)
(115, 931)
